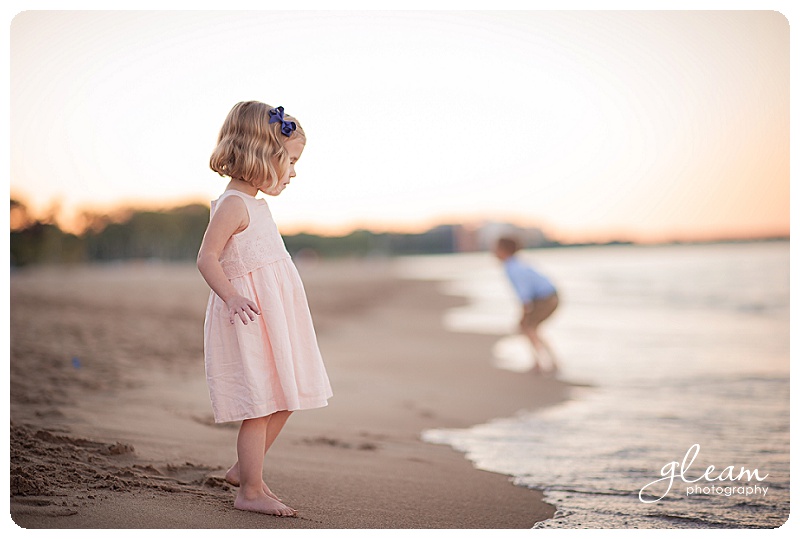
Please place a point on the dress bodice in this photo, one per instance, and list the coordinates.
(257, 245)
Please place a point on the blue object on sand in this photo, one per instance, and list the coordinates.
(76, 362)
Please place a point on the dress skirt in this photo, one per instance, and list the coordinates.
(272, 363)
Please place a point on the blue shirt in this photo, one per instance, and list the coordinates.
(528, 283)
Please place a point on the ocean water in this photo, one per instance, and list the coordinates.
(681, 358)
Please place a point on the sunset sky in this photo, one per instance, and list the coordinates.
(643, 125)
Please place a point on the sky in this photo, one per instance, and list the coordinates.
(593, 125)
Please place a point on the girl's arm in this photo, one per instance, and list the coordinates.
(229, 218)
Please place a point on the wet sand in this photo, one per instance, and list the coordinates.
(111, 423)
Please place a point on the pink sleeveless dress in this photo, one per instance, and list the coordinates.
(273, 363)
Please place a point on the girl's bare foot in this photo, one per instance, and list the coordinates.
(232, 477)
(261, 503)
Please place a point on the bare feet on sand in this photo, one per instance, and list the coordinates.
(261, 503)
(232, 477)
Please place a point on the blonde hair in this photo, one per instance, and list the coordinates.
(251, 149)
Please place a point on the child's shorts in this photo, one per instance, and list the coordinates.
(539, 310)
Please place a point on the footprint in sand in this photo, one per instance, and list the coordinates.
(334, 442)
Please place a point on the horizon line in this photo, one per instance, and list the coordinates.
(550, 233)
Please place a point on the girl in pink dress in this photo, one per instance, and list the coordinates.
(261, 355)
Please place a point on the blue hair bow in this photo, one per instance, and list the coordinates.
(276, 115)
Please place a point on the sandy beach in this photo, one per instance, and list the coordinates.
(111, 423)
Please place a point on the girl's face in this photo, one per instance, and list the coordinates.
(295, 148)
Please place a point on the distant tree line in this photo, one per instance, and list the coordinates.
(176, 234)
(366, 243)
(173, 234)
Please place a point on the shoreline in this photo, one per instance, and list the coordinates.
(128, 439)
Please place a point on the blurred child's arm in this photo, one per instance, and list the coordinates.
(527, 309)
(229, 218)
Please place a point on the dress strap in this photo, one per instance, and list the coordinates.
(243, 196)
(248, 199)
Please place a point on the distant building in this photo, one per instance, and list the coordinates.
(466, 239)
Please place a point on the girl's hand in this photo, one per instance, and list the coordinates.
(240, 305)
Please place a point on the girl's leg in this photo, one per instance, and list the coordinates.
(250, 449)
(274, 426)
(276, 423)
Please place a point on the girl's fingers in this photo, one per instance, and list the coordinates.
(243, 315)
(234, 313)
(250, 310)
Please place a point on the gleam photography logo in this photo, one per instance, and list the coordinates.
(658, 489)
